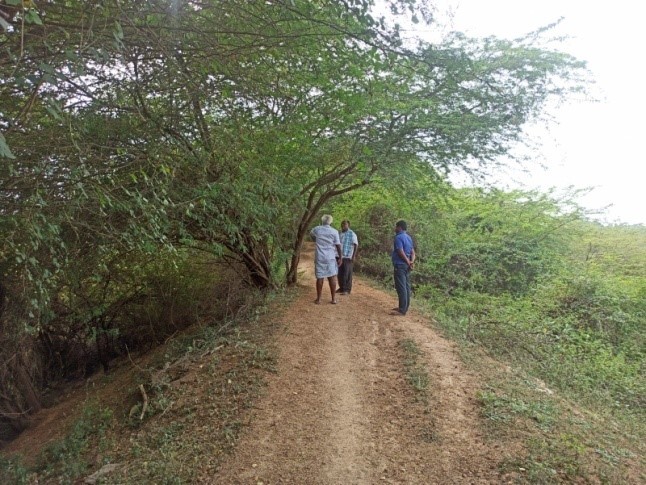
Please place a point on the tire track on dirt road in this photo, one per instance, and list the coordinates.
(339, 409)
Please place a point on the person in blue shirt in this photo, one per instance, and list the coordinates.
(403, 258)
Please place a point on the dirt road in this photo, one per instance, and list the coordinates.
(340, 409)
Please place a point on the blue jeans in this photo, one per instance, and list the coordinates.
(402, 285)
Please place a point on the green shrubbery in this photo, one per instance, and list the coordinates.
(105, 307)
(559, 350)
(64, 458)
(12, 471)
(535, 284)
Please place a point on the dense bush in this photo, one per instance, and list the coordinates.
(527, 277)
(103, 310)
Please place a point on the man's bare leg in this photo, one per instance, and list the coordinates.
(319, 289)
(332, 281)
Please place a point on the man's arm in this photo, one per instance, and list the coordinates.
(402, 255)
(339, 260)
(355, 245)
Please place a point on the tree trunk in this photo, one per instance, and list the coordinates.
(257, 260)
(292, 273)
(25, 386)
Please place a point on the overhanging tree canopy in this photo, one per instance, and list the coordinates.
(131, 129)
(228, 124)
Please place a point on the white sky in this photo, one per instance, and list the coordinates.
(600, 144)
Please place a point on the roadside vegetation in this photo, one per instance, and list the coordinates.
(532, 282)
(167, 415)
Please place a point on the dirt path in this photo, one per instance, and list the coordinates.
(340, 410)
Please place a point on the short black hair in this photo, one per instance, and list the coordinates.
(346, 221)
(401, 224)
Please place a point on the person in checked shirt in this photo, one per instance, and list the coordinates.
(349, 245)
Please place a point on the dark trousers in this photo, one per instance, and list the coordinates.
(345, 275)
(402, 285)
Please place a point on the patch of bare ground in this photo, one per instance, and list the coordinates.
(340, 410)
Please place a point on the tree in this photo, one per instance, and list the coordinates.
(220, 95)
(135, 127)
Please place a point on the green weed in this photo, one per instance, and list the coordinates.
(504, 408)
(65, 458)
(12, 471)
(416, 373)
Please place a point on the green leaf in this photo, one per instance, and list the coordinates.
(118, 31)
(32, 17)
(4, 149)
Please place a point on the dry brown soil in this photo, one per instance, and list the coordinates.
(341, 411)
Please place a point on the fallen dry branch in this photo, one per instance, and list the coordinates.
(145, 406)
